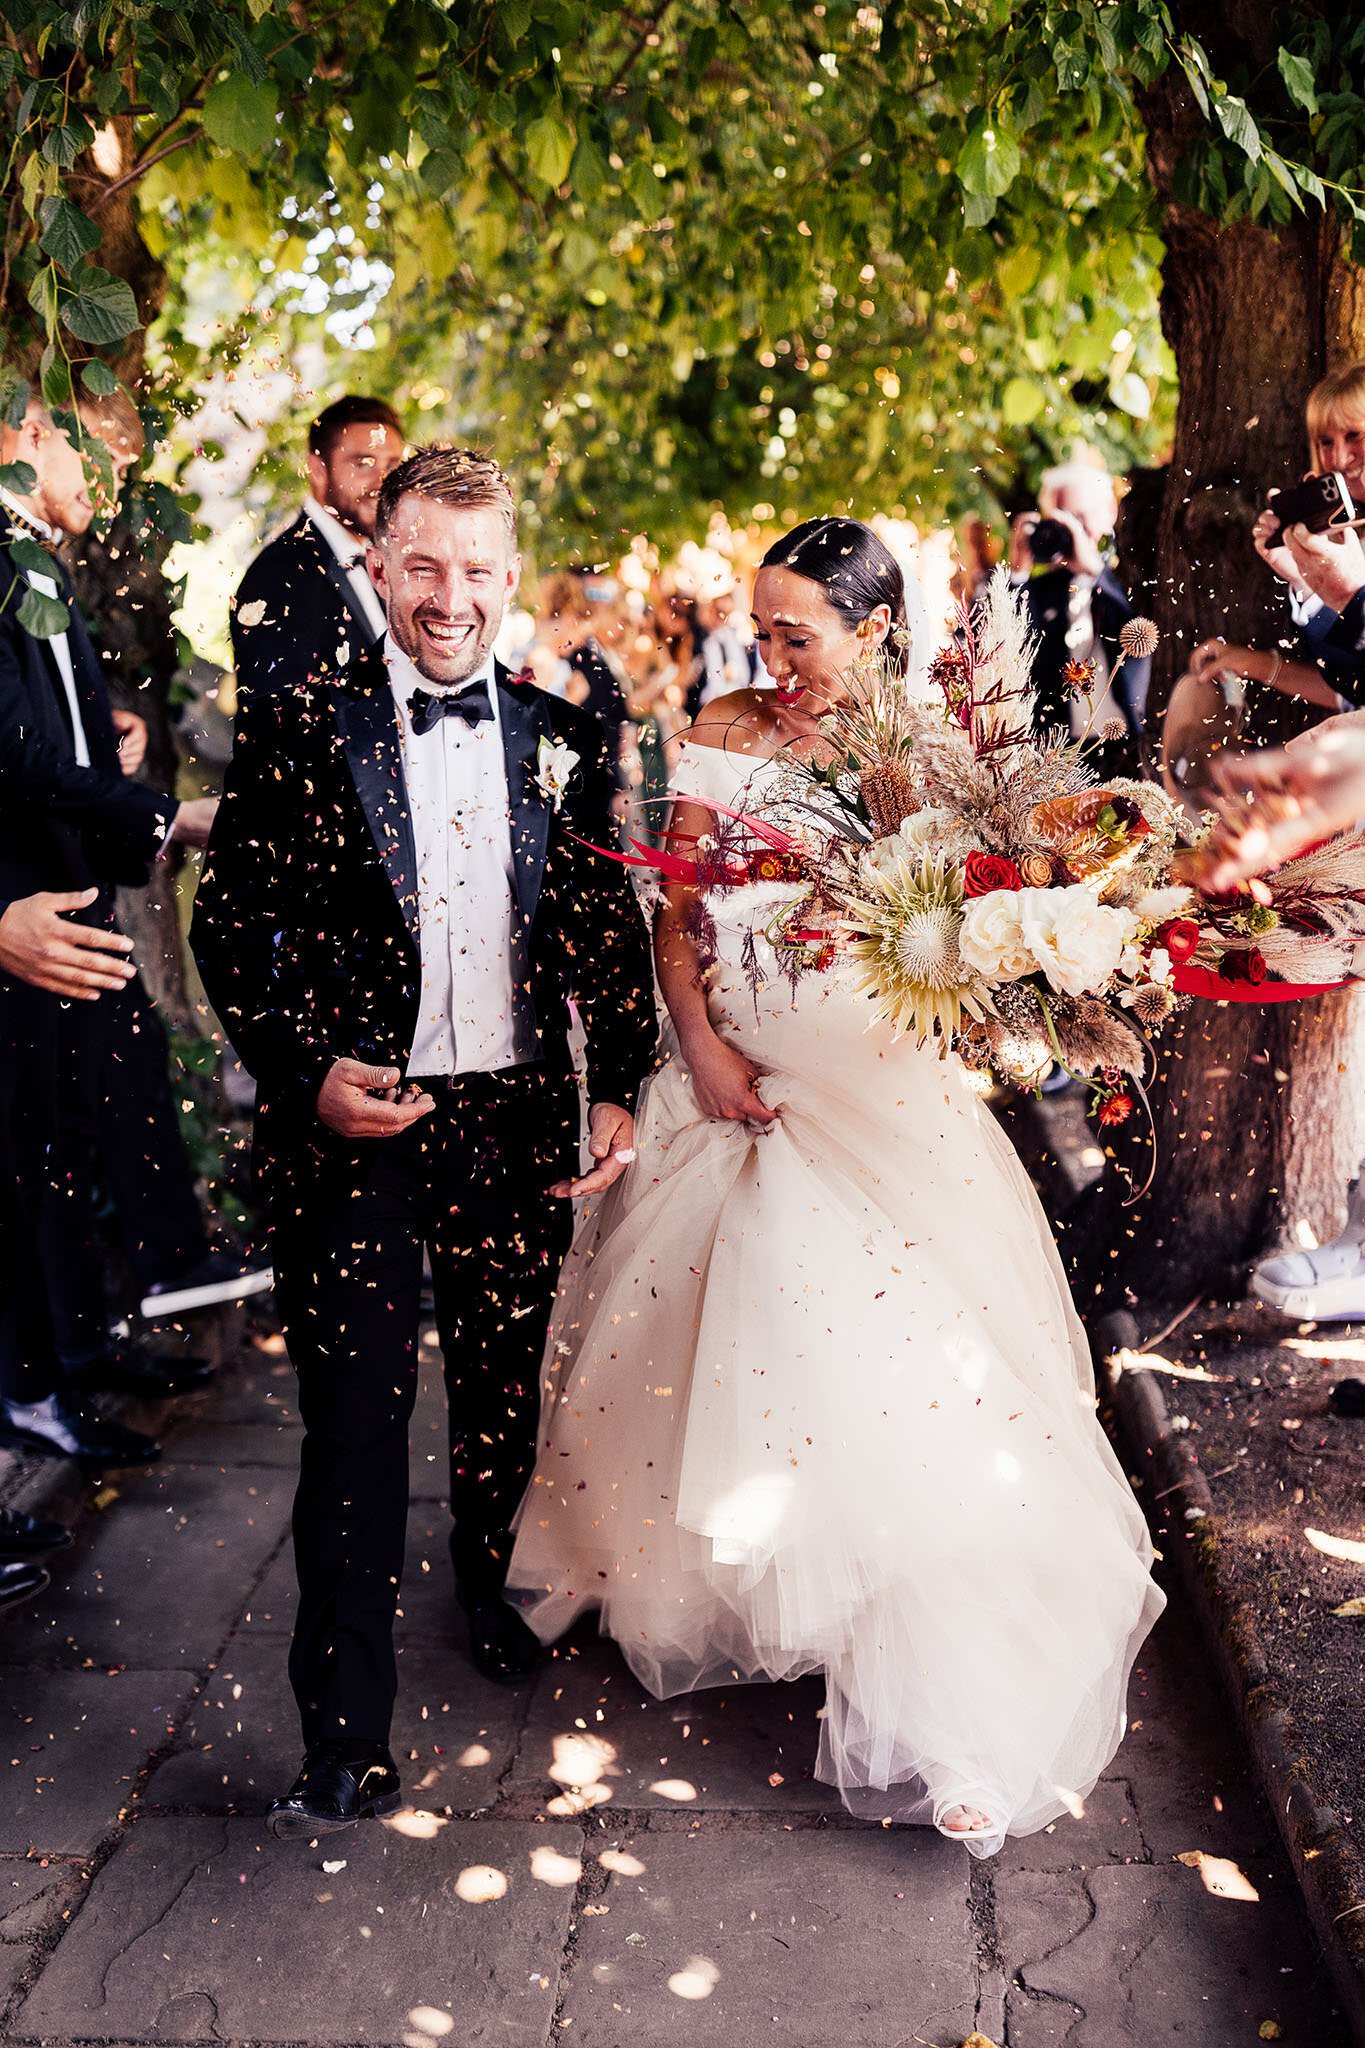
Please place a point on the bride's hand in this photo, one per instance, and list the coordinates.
(723, 1081)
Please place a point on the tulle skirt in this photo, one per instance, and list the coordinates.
(817, 1400)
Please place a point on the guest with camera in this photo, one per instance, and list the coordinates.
(1078, 609)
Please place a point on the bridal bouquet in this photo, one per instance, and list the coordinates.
(991, 893)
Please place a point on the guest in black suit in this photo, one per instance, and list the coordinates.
(397, 908)
(1078, 607)
(307, 604)
(70, 820)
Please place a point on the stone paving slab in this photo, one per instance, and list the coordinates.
(165, 1577)
(595, 1736)
(203, 1929)
(1148, 1955)
(240, 1745)
(71, 1746)
(845, 1939)
(35, 1897)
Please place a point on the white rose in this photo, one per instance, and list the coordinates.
(1076, 941)
(991, 940)
(1159, 966)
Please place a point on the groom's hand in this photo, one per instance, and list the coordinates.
(611, 1138)
(356, 1101)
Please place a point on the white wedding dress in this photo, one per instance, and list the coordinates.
(817, 1400)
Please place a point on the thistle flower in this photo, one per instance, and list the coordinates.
(1153, 1004)
(1113, 729)
(1139, 638)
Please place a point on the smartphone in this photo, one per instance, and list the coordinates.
(1318, 503)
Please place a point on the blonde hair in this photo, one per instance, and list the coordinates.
(1338, 399)
(461, 477)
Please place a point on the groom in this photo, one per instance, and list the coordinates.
(394, 916)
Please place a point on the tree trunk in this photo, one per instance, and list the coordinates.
(1257, 1108)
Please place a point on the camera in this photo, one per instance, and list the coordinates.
(1049, 542)
(1318, 503)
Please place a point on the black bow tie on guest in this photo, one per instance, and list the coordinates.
(429, 707)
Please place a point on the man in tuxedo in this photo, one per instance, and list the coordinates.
(397, 909)
(307, 601)
(70, 820)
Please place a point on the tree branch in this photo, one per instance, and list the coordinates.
(633, 54)
(144, 164)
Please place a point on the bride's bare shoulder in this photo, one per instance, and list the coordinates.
(740, 723)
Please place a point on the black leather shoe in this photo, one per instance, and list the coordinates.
(17, 1581)
(29, 1536)
(128, 1369)
(339, 1784)
(500, 1644)
(74, 1432)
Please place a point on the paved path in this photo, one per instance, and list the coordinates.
(579, 1865)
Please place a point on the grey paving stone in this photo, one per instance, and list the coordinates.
(162, 1576)
(221, 1445)
(257, 1386)
(207, 1929)
(239, 1747)
(593, 1736)
(1107, 1831)
(35, 1899)
(1181, 1755)
(1148, 1955)
(853, 1938)
(71, 1746)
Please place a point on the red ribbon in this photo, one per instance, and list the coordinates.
(1201, 981)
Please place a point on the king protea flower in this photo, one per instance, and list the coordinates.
(907, 927)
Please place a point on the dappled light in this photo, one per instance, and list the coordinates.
(621, 1863)
(698, 1980)
(428, 2024)
(479, 1884)
(1221, 1877)
(550, 1866)
(416, 1824)
(677, 1789)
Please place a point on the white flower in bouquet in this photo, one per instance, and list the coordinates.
(932, 830)
(1159, 906)
(1076, 941)
(992, 936)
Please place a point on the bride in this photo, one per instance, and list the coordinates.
(816, 1396)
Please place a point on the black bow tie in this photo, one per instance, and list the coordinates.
(428, 708)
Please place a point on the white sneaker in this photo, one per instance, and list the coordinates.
(1322, 1286)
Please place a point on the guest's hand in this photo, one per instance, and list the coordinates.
(1274, 805)
(359, 1101)
(132, 745)
(39, 944)
(723, 1081)
(1332, 564)
(611, 1138)
(1267, 537)
(194, 821)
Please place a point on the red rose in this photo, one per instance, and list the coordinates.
(1115, 1109)
(984, 872)
(1180, 938)
(1246, 964)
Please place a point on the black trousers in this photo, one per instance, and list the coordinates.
(470, 1182)
(30, 1024)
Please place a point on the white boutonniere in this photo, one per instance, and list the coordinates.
(555, 764)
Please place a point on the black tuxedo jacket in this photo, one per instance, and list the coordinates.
(1048, 594)
(63, 826)
(311, 622)
(306, 920)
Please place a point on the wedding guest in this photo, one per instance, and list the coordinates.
(573, 620)
(1078, 608)
(307, 603)
(70, 819)
(1310, 662)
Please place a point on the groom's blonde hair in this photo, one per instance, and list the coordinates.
(453, 476)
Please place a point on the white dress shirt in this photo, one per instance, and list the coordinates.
(474, 1014)
(47, 586)
(350, 552)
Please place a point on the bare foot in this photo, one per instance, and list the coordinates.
(965, 1820)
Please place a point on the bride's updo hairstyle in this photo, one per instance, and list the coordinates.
(855, 573)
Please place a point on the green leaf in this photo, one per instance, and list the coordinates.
(14, 396)
(1022, 401)
(31, 557)
(43, 617)
(978, 208)
(54, 378)
(103, 309)
(98, 379)
(19, 477)
(42, 295)
(1235, 119)
(64, 143)
(1310, 182)
(588, 173)
(441, 170)
(988, 163)
(1131, 394)
(240, 116)
(1297, 74)
(68, 234)
(550, 148)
